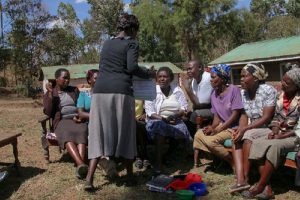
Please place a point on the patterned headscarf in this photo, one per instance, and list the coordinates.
(222, 70)
(257, 70)
(294, 74)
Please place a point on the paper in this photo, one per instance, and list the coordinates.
(144, 89)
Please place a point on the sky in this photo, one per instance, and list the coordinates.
(81, 6)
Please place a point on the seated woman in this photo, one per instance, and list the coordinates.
(60, 105)
(85, 97)
(259, 101)
(227, 106)
(164, 113)
(268, 151)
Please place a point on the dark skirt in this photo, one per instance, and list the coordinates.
(69, 131)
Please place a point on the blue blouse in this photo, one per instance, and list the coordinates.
(84, 100)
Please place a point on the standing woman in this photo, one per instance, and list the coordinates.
(112, 128)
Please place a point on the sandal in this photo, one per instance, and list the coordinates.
(264, 196)
(138, 163)
(146, 164)
(88, 186)
(239, 187)
(81, 171)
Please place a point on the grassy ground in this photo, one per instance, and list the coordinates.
(57, 180)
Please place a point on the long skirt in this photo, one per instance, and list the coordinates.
(112, 128)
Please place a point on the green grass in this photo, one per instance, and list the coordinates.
(57, 180)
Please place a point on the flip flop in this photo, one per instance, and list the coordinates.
(239, 187)
(88, 186)
(263, 196)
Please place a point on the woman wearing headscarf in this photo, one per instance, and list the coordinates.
(112, 128)
(227, 106)
(259, 101)
(268, 151)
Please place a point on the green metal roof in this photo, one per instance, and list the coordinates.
(79, 70)
(262, 50)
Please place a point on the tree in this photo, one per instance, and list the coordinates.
(62, 44)
(105, 14)
(28, 21)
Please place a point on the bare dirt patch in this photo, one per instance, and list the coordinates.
(57, 180)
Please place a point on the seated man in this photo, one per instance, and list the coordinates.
(198, 88)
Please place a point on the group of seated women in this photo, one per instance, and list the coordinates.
(261, 124)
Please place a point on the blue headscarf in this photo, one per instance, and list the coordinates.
(222, 70)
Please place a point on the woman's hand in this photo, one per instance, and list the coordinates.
(152, 72)
(76, 119)
(238, 134)
(141, 117)
(208, 130)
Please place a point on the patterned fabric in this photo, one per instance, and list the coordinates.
(257, 71)
(265, 97)
(286, 121)
(155, 105)
(158, 127)
(222, 70)
(84, 100)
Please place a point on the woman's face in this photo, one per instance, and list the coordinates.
(287, 85)
(93, 79)
(163, 79)
(247, 80)
(215, 80)
(63, 80)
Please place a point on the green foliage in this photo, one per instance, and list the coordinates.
(105, 14)
(3, 82)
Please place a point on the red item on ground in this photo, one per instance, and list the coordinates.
(190, 178)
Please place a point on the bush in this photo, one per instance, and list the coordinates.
(3, 82)
(22, 90)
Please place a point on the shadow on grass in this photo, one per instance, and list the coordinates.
(15, 179)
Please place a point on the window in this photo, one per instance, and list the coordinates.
(236, 76)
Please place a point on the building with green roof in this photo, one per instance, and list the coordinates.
(78, 71)
(273, 54)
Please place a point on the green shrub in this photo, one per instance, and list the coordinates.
(22, 90)
(3, 82)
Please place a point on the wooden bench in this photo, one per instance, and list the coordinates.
(11, 138)
(289, 161)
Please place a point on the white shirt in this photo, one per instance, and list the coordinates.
(155, 105)
(203, 89)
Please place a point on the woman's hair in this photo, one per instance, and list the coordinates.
(90, 74)
(128, 22)
(168, 70)
(258, 71)
(59, 71)
(294, 75)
